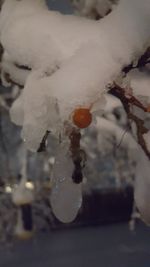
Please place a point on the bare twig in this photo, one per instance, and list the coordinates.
(127, 102)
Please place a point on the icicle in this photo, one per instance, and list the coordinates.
(23, 197)
(66, 196)
(48, 170)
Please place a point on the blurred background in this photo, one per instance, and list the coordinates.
(107, 231)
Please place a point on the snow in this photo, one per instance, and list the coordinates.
(147, 139)
(140, 83)
(16, 74)
(89, 7)
(72, 59)
(111, 103)
(109, 128)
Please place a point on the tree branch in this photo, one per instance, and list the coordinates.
(127, 103)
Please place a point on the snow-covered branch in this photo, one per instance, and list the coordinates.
(70, 68)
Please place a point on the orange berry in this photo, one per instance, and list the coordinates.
(82, 117)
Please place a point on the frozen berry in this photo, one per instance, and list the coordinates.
(82, 117)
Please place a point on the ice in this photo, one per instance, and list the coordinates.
(66, 200)
(17, 112)
(21, 194)
(66, 196)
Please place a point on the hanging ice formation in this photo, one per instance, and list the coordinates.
(66, 195)
(23, 197)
